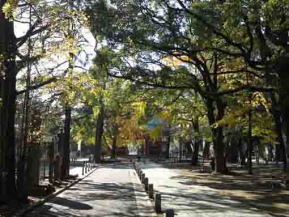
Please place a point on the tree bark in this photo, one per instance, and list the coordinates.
(195, 154)
(282, 69)
(167, 153)
(23, 178)
(242, 152)
(51, 158)
(233, 155)
(8, 106)
(66, 144)
(217, 133)
(113, 149)
(219, 150)
(278, 128)
(250, 143)
(114, 141)
(98, 135)
(206, 151)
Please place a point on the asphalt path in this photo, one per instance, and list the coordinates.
(111, 190)
(189, 199)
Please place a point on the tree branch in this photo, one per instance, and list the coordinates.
(32, 31)
(36, 86)
(246, 87)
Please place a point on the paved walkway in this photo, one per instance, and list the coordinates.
(111, 190)
(76, 170)
(192, 200)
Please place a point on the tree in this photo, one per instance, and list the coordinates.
(44, 22)
(8, 104)
(206, 35)
(141, 47)
(257, 32)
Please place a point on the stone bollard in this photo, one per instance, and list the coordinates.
(158, 203)
(83, 168)
(146, 184)
(143, 177)
(170, 213)
(151, 191)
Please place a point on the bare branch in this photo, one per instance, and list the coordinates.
(36, 86)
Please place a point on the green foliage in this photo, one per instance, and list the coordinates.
(9, 8)
(262, 120)
(207, 47)
(190, 56)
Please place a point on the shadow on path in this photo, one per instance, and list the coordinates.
(107, 192)
(71, 204)
(102, 191)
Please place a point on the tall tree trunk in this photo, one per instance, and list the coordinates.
(167, 153)
(206, 151)
(98, 134)
(114, 141)
(23, 150)
(242, 152)
(51, 158)
(217, 133)
(66, 144)
(180, 157)
(23, 177)
(283, 90)
(278, 153)
(219, 150)
(278, 128)
(113, 149)
(195, 154)
(250, 143)
(232, 152)
(270, 153)
(8, 73)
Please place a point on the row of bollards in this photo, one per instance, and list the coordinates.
(86, 167)
(149, 188)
